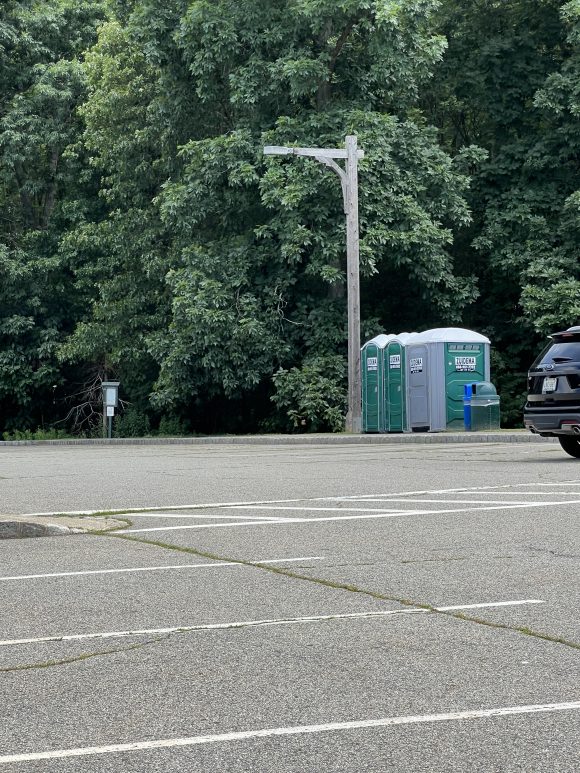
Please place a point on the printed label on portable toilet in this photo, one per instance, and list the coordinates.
(465, 364)
(395, 361)
(372, 363)
(416, 364)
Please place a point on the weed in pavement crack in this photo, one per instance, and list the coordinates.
(79, 658)
(351, 589)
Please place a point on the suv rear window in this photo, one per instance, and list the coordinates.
(554, 353)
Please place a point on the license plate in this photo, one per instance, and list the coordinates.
(549, 385)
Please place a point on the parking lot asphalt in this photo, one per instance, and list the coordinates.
(306, 608)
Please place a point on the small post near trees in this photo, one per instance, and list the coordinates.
(349, 181)
(110, 402)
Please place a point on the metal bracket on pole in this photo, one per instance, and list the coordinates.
(330, 162)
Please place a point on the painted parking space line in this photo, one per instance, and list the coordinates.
(387, 500)
(573, 482)
(367, 515)
(197, 514)
(128, 510)
(277, 732)
(263, 623)
(499, 488)
(227, 524)
(317, 509)
(163, 568)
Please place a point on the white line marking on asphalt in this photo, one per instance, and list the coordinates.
(463, 489)
(393, 497)
(573, 482)
(262, 623)
(265, 522)
(318, 509)
(353, 497)
(135, 510)
(213, 516)
(245, 735)
(161, 568)
(370, 514)
(387, 500)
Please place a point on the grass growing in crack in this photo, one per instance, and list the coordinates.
(456, 615)
(79, 658)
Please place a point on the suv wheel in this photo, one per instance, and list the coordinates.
(571, 445)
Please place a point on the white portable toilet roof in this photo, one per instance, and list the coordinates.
(405, 338)
(455, 335)
(381, 340)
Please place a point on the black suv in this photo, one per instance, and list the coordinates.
(553, 405)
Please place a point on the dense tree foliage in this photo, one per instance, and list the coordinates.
(145, 236)
(507, 85)
(41, 84)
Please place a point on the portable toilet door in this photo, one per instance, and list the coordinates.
(395, 382)
(395, 390)
(417, 370)
(466, 361)
(373, 386)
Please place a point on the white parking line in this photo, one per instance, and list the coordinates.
(201, 516)
(393, 497)
(208, 565)
(262, 623)
(364, 724)
(134, 510)
(368, 515)
(387, 500)
(171, 510)
(311, 509)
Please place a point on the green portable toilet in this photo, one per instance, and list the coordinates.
(374, 413)
(395, 380)
(438, 364)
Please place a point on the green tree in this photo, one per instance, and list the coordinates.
(507, 85)
(119, 248)
(41, 85)
(221, 268)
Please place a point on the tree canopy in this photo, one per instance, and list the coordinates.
(145, 236)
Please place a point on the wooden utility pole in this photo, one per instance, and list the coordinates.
(349, 181)
(353, 418)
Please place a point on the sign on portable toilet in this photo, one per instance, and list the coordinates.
(439, 363)
(395, 382)
(374, 412)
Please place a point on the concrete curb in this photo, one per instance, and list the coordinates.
(500, 436)
(20, 527)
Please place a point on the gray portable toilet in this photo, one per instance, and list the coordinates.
(439, 363)
(374, 406)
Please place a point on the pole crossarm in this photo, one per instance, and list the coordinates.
(281, 150)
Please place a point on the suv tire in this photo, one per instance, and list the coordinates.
(571, 445)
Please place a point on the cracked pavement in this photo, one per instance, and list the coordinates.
(347, 597)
